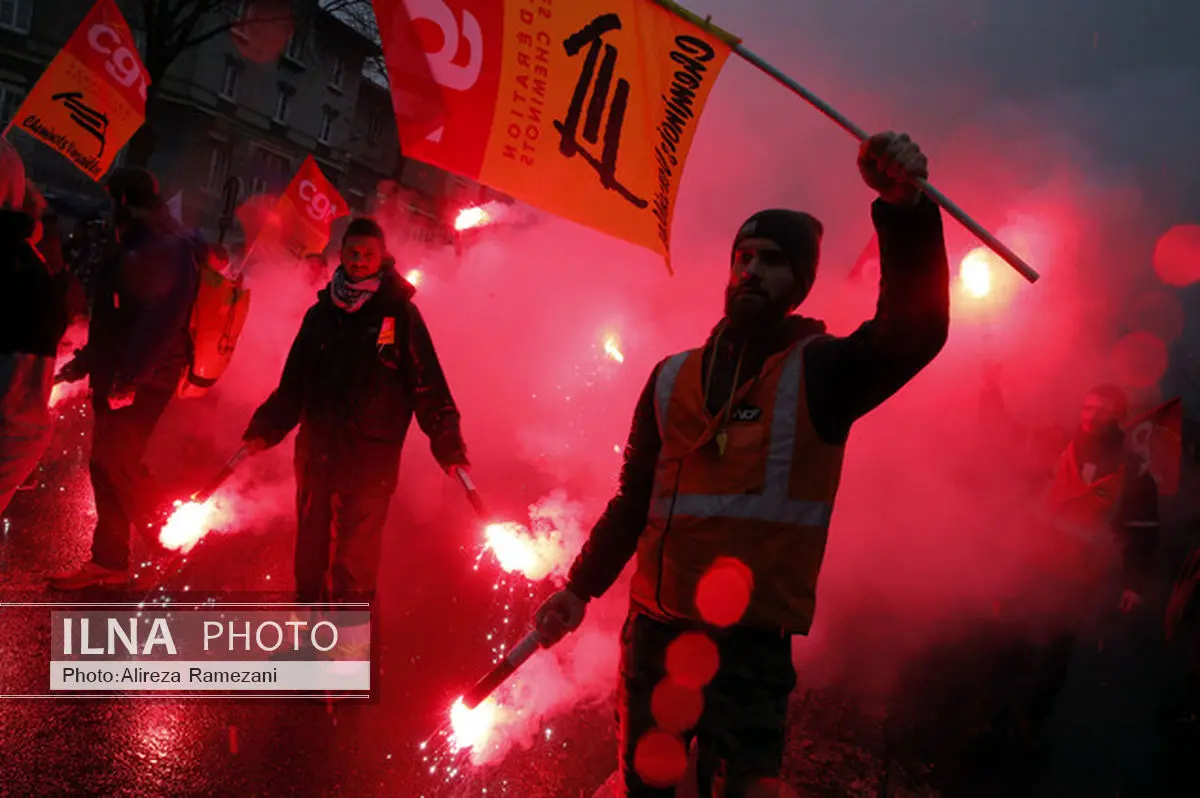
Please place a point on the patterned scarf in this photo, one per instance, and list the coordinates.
(350, 296)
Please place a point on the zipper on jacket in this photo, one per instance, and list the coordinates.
(662, 549)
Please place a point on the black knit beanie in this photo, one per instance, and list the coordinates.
(363, 226)
(134, 187)
(797, 233)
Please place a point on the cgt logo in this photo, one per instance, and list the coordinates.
(123, 64)
(318, 206)
(746, 413)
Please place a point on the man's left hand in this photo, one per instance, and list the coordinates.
(1129, 601)
(119, 398)
(452, 470)
(890, 163)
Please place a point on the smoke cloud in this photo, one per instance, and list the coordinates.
(1072, 167)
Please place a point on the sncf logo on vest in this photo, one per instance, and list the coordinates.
(746, 413)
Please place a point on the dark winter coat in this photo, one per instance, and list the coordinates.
(138, 333)
(33, 318)
(33, 314)
(353, 393)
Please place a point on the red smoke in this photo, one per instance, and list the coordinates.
(527, 323)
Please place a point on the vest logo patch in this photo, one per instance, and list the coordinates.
(387, 332)
(746, 413)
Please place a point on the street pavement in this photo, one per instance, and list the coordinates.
(1105, 739)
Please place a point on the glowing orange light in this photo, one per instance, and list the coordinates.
(470, 217)
(612, 348)
(59, 392)
(519, 550)
(414, 277)
(975, 272)
(473, 728)
(190, 522)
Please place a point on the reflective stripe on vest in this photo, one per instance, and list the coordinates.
(773, 504)
(664, 386)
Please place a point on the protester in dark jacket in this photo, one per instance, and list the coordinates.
(361, 366)
(32, 321)
(736, 668)
(137, 351)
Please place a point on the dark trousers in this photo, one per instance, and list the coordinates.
(338, 543)
(742, 723)
(1045, 666)
(125, 493)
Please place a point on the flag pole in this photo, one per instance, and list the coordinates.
(993, 243)
(842, 121)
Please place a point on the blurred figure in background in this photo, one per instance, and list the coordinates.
(137, 352)
(33, 318)
(1098, 514)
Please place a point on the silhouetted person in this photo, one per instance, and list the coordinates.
(728, 485)
(137, 352)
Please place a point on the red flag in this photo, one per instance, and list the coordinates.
(301, 219)
(417, 97)
(1157, 438)
(92, 97)
(870, 255)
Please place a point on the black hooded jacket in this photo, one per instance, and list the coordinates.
(138, 332)
(846, 378)
(353, 387)
(33, 313)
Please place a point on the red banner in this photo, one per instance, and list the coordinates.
(584, 109)
(92, 98)
(305, 212)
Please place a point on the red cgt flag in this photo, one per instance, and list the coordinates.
(417, 98)
(867, 264)
(1158, 440)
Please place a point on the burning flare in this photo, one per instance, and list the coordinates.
(469, 218)
(414, 277)
(534, 555)
(975, 272)
(190, 522)
(473, 728)
(612, 348)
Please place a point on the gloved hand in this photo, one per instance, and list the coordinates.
(255, 445)
(558, 616)
(121, 396)
(890, 163)
(73, 370)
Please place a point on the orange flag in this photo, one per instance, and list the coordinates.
(92, 98)
(585, 109)
(305, 212)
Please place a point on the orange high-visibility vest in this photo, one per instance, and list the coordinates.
(1080, 516)
(752, 521)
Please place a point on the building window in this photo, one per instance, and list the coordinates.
(268, 169)
(218, 168)
(16, 15)
(283, 104)
(327, 120)
(230, 80)
(295, 49)
(336, 70)
(10, 100)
